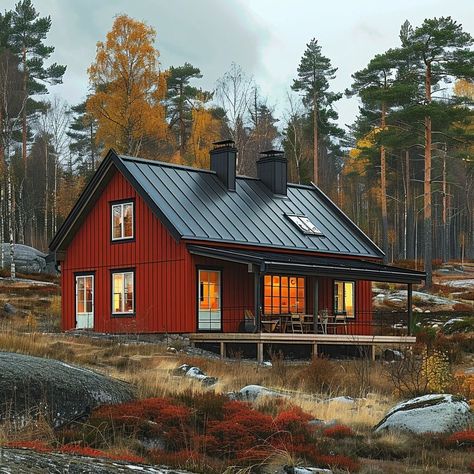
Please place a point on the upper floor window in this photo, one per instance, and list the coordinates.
(344, 298)
(122, 221)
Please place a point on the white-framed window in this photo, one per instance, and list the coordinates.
(344, 298)
(123, 292)
(122, 221)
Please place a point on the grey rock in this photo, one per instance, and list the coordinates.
(195, 373)
(9, 308)
(27, 259)
(434, 413)
(250, 393)
(32, 385)
(392, 354)
(19, 461)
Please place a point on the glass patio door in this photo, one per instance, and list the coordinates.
(85, 302)
(209, 299)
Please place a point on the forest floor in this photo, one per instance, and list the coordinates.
(31, 326)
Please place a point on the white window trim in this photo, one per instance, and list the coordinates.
(122, 224)
(353, 283)
(123, 293)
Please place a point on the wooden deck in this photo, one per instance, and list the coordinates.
(314, 340)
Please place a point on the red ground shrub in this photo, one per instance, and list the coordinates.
(38, 446)
(461, 439)
(82, 451)
(152, 417)
(339, 461)
(292, 425)
(338, 432)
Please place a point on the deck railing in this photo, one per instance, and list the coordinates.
(377, 323)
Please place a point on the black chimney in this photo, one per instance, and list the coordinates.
(223, 158)
(272, 171)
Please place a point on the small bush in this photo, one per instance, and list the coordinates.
(339, 461)
(318, 376)
(461, 439)
(338, 432)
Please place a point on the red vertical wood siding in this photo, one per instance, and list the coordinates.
(165, 275)
(164, 299)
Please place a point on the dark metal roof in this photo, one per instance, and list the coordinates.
(199, 207)
(195, 205)
(271, 262)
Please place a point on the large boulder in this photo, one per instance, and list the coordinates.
(436, 413)
(30, 386)
(20, 461)
(27, 259)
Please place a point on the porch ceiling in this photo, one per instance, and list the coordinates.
(272, 262)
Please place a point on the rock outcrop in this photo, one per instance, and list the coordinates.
(30, 386)
(20, 461)
(436, 413)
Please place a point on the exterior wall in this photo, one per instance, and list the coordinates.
(163, 269)
(165, 275)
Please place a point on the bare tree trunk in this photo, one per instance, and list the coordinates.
(445, 257)
(23, 117)
(55, 196)
(11, 212)
(427, 224)
(383, 190)
(46, 193)
(315, 140)
(2, 229)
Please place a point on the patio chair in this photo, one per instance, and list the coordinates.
(340, 320)
(249, 321)
(323, 319)
(296, 324)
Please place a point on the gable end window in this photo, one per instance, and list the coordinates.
(123, 293)
(122, 221)
(344, 298)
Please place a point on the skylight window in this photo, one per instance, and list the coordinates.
(304, 225)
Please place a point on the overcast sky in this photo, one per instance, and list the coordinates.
(266, 37)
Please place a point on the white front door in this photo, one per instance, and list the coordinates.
(209, 299)
(85, 301)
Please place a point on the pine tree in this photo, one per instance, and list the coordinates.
(441, 52)
(83, 145)
(380, 87)
(180, 99)
(28, 32)
(314, 73)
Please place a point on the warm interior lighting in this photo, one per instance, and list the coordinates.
(209, 289)
(283, 294)
(344, 298)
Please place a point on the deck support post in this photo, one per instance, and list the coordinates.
(410, 308)
(372, 352)
(316, 305)
(315, 350)
(257, 295)
(222, 350)
(260, 352)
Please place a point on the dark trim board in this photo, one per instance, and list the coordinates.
(337, 268)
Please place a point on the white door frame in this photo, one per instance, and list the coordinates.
(208, 319)
(84, 319)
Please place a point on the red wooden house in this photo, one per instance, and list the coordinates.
(152, 247)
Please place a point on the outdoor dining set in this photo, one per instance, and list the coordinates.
(300, 323)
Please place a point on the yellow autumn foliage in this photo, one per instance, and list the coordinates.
(128, 88)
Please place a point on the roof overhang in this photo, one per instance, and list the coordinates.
(287, 263)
